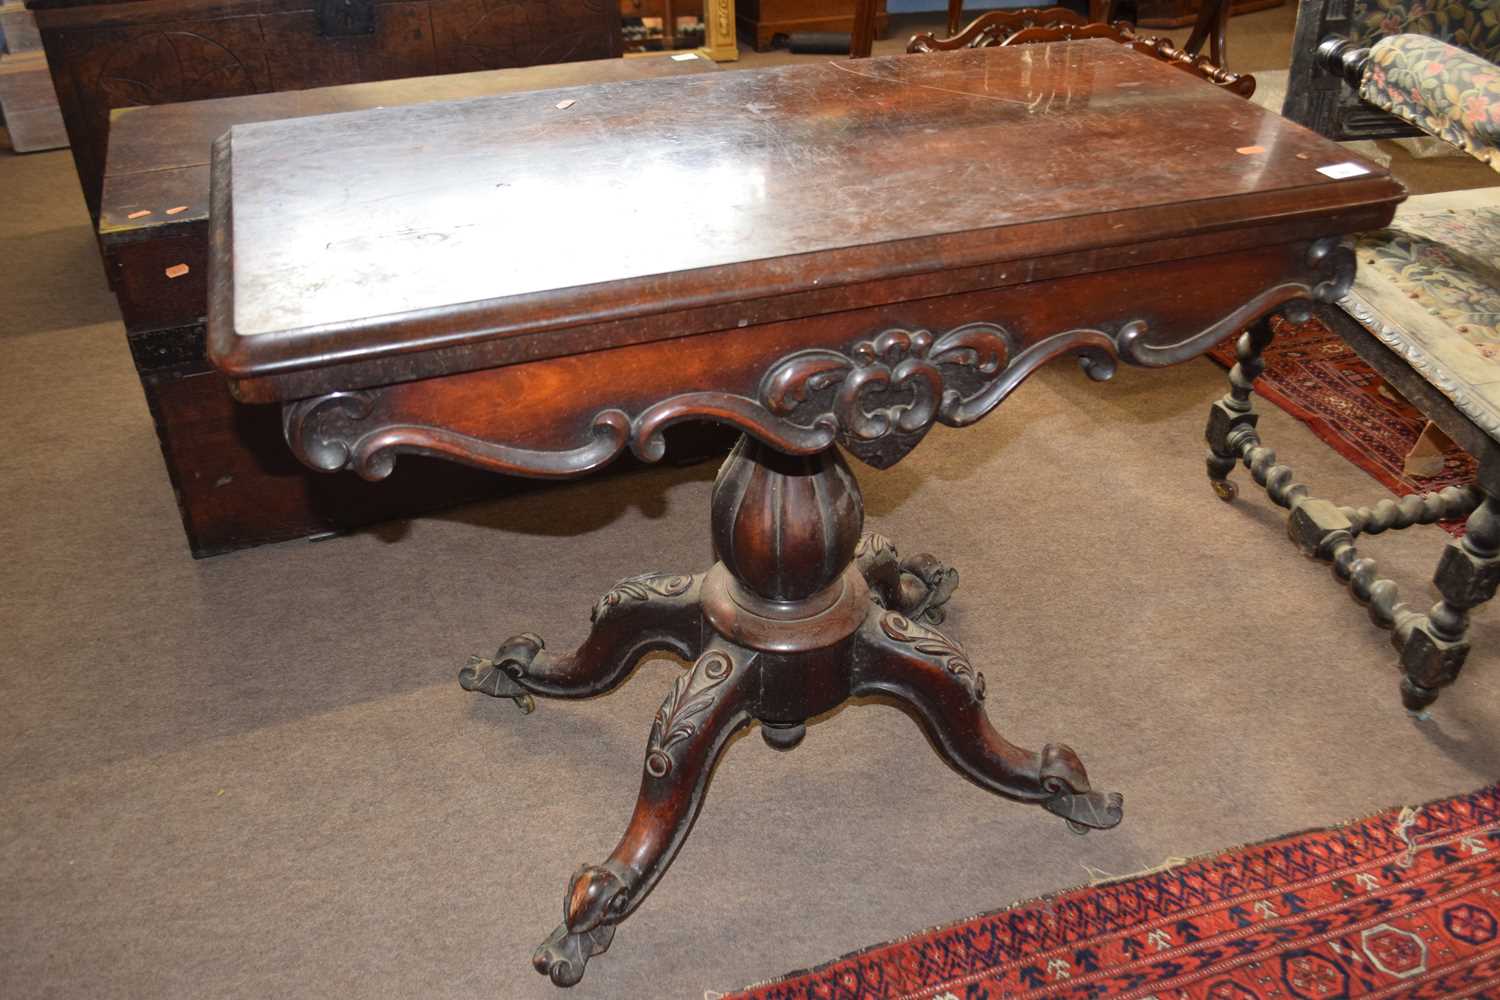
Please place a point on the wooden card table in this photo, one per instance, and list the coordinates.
(883, 246)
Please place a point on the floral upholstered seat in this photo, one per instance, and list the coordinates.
(1443, 90)
(1470, 25)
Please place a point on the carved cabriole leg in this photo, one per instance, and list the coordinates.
(929, 673)
(705, 707)
(638, 615)
(917, 586)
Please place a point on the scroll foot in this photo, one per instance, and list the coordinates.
(638, 615)
(917, 586)
(705, 707)
(496, 677)
(594, 896)
(1071, 797)
(930, 674)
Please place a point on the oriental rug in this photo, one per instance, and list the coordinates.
(1404, 904)
(1313, 375)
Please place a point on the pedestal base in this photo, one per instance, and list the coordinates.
(801, 613)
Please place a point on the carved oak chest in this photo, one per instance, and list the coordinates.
(107, 54)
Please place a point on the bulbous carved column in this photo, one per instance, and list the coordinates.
(785, 526)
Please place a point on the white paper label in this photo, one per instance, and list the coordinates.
(1339, 171)
(685, 56)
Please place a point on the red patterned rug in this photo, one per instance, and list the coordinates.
(1313, 375)
(1405, 904)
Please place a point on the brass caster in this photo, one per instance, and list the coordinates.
(1224, 489)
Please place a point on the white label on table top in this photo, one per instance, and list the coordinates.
(1339, 171)
(684, 57)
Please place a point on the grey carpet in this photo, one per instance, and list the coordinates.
(257, 776)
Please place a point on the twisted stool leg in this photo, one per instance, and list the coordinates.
(638, 615)
(930, 674)
(705, 707)
(1435, 646)
(1232, 419)
(917, 586)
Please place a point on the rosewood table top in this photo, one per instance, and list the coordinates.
(474, 233)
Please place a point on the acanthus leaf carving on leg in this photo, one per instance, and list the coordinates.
(676, 720)
(640, 588)
(938, 645)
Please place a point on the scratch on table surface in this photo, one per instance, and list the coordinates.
(924, 86)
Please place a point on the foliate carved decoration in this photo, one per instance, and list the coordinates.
(678, 718)
(933, 643)
(872, 544)
(884, 394)
(640, 588)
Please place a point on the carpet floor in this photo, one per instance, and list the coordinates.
(257, 776)
(1398, 906)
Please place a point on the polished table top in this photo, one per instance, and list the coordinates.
(159, 153)
(470, 231)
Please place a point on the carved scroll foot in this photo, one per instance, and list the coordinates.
(930, 674)
(917, 586)
(638, 615)
(705, 707)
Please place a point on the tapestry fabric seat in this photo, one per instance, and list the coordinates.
(1428, 287)
(1471, 25)
(1443, 90)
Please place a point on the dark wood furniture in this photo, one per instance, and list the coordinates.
(1319, 91)
(107, 54)
(1422, 315)
(843, 296)
(1028, 26)
(763, 21)
(1181, 13)
(236, 485)
(996, 27)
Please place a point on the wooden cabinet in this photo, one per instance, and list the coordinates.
(107, 54)
(762, 20)
(1182, 13)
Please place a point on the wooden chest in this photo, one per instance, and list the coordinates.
(107, 54)
(763, 20)
(1182, 13)
(236, 483)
